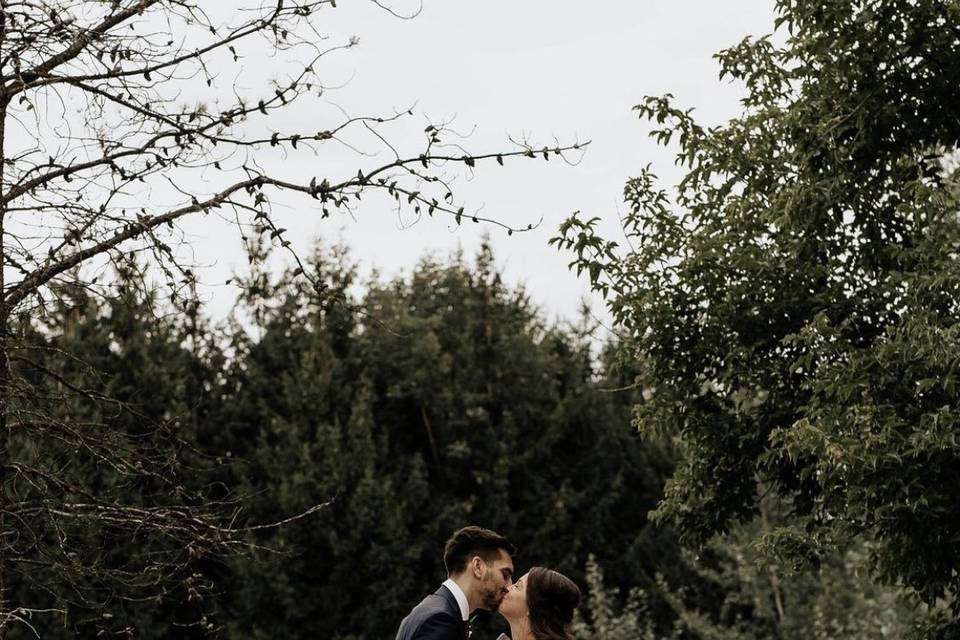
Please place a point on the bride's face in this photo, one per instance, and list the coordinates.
(514, 604)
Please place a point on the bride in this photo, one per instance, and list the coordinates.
(540, 606)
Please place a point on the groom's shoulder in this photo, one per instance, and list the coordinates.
(434, 604)
(431, 618)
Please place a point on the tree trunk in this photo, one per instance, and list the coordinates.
(4, 363)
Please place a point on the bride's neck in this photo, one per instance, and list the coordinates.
(520, 630)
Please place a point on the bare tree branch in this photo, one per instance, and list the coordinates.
(114, 132)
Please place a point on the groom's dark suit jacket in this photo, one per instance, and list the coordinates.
(436, 618)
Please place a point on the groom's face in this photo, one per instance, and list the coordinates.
(496, 580)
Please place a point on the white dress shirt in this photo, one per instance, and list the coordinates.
(460, 596)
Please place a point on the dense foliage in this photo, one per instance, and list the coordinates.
(794, 300)
(446, 400)
(424, 404)
(837, 601)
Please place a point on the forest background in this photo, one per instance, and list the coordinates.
(430, 401)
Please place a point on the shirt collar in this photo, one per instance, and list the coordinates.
(460, 597)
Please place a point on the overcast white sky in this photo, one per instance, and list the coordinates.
(543, 68)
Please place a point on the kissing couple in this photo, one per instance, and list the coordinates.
(538, 606)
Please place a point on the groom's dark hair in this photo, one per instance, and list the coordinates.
(473, 541)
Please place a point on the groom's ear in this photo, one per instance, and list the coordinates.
(477, 566)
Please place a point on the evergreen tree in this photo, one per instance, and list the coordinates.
(445, 400)
(109, 393)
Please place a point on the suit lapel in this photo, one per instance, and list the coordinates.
(454, 609)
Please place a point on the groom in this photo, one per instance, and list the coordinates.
(479, 570)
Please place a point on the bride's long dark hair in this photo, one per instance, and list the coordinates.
(551, 599)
